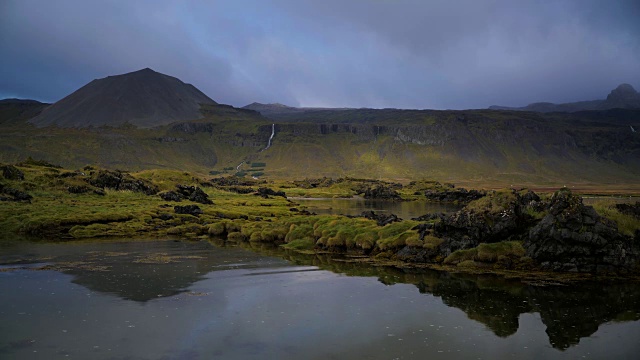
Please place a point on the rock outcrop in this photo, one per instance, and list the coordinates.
(11, 172)
(117, 180)
(381, 192)
(194, 193)
(460, 195)
(574, 237)
(380, 219)
(630, 209)
(11, 194)
(501, 216)
(188, 209)
(186, 192)
(266, 192)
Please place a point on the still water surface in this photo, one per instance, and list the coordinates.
(200, 300)
(355, 206)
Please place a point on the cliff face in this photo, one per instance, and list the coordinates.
(501, 147)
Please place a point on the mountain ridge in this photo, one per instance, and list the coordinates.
(624, 96)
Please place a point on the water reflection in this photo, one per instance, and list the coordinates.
(569, 312)
(143, 271)
(140, 270)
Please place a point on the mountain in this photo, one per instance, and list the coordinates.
(469, 147)
(143, 98)
(622, 97)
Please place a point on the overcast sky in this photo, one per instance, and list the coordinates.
(449, 54)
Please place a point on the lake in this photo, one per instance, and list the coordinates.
(167, 299)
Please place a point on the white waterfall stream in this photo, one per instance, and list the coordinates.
(273, 132)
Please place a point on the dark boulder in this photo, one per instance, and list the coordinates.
(185, 190)
(171, 196)
(11, 194)
(165, 217)
(574, 237)
(232, 181)
(380, 219)
(117, 180)
(240, 189)
(11, 172)
(460, 195)
(188, 209)
(106, 179)
(382, 192)
(200, 196)
(630, 209)
(266, 192)
(193, 193)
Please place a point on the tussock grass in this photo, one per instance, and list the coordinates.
(487, 253)
(627, 224)
(494, 202)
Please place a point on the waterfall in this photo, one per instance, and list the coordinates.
(273, 132)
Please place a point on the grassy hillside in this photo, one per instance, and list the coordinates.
(483, 147)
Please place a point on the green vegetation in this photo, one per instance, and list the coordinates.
(501, 255)
(472, 148)
(627, 224)
(69, 205)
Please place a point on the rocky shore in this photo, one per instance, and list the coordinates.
(513, 230)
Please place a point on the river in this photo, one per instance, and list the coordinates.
(168, 299)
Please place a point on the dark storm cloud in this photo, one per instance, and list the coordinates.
(373, 53)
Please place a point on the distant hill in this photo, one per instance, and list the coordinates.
(20, 102)
(279, 109)
(622, 97)
(18, 110)
(143, 98)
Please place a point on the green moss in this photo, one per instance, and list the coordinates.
(494, 202)
(217, 229)
(459, 256)
(305, 243)
(299, 232)
(366, 239)
(489, 253)
(432, 242)
(235, 236)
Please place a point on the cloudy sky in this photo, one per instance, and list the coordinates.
(439, 54)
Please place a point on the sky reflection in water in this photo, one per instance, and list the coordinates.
(194, 300)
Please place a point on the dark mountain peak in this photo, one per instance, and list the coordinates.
(144, 98)
(623, 92)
